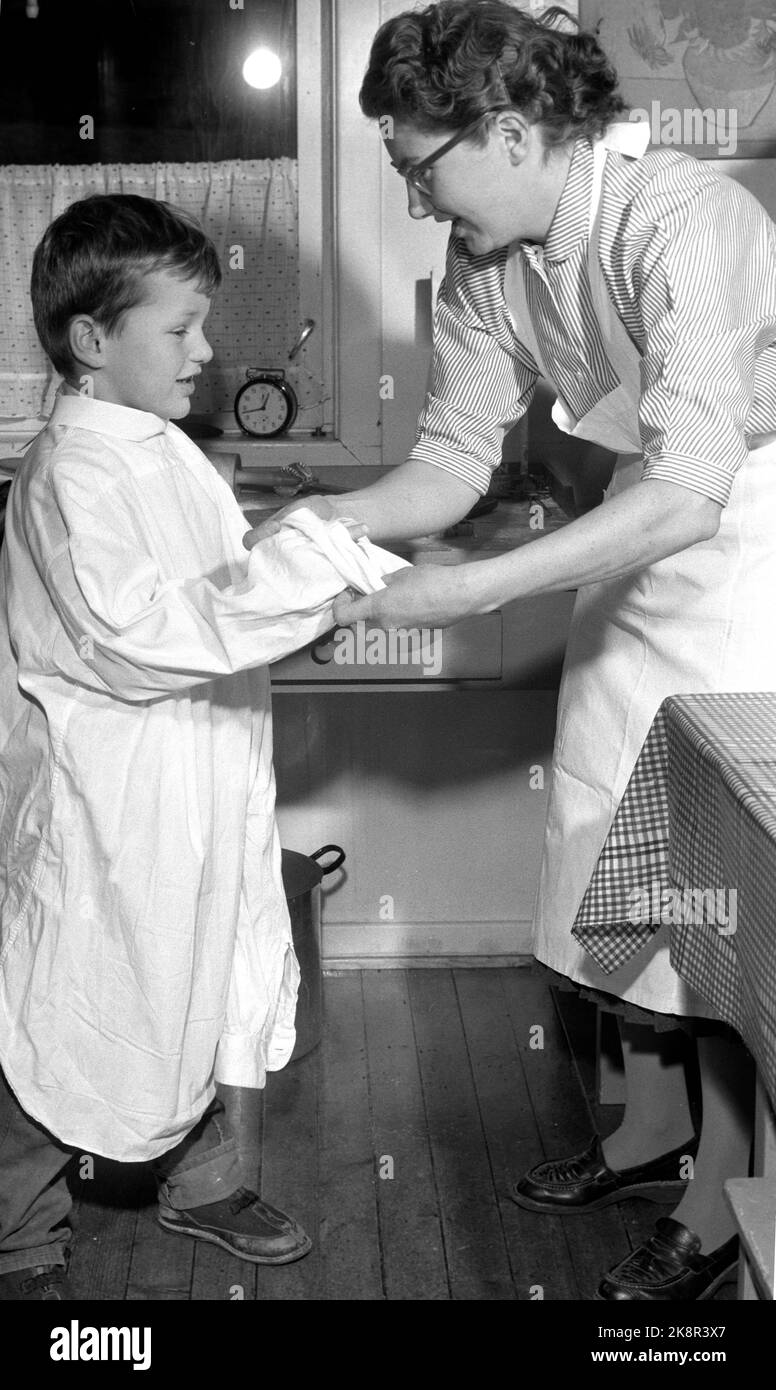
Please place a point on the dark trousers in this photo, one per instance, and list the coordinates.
(35, 1201)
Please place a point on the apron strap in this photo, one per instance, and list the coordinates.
(630, 138)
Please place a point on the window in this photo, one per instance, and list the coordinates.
(169, 115)
(162, 80)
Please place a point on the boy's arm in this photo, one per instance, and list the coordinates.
(140, 636)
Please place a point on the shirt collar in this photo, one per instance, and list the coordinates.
(104, 417)
(569, 226)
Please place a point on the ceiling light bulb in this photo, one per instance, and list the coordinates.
(262, 68)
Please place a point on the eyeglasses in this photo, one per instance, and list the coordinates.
(415, 174)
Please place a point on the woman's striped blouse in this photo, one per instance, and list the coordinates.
(689, 258)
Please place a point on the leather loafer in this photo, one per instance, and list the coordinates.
(243, 1225)
(670, 1268)
(585, 1183)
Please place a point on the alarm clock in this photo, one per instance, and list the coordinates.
(265, 405)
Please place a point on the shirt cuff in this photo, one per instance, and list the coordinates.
(472, 471)
(698, 475)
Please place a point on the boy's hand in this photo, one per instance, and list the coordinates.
(321, 506)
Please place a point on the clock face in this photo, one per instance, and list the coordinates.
(263, 407)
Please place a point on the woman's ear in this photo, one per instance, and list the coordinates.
(516, 132)
(86, 341)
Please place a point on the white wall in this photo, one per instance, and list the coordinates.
(758, 175)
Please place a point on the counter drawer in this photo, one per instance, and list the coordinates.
(470, 650)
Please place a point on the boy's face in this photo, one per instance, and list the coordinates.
(151, 361)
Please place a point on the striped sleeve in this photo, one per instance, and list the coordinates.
(481, 380)
(705, 278)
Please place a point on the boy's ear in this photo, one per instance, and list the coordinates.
(86, 340)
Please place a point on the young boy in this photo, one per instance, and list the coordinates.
(145, 946)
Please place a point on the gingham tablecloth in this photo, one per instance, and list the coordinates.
(610, 923)
(722, 835)
(694, 844)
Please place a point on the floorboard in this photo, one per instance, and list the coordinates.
(538, 1252)
(350, 1254)
(105, 1224)
(291, 1173)
(411, 1236)
(395, 1143)
(477, 1257)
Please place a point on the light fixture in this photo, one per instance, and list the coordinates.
(262, 68)
(31, 9)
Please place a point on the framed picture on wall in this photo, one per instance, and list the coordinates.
(703, 72)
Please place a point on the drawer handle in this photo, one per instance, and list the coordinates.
(323, 651)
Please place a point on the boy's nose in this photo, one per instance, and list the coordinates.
(203, 352)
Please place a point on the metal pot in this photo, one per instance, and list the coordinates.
(302, 876)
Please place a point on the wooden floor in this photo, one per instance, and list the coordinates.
(395, 1143)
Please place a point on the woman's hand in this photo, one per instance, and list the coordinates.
(321, 506)
(423, 596)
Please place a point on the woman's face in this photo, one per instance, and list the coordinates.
(496, 193)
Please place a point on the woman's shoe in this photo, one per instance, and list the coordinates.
(670, 1268)
(585, 1183)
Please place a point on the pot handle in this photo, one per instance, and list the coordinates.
(335, 864)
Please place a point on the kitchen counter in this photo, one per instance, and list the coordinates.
(512, 523)
(520, 646)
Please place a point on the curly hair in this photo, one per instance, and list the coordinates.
(442, 67)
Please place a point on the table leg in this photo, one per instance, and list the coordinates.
(747, 1291)
(764, 1134)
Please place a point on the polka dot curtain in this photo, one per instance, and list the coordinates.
(254, 321)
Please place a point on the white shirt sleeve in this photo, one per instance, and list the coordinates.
(139, 635)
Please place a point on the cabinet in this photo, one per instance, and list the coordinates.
(436, 791)
(438, 799)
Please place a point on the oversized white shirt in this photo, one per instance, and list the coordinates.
(145, 944)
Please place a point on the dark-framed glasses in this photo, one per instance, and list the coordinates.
(416, 174)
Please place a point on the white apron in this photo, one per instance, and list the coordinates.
(700, 621)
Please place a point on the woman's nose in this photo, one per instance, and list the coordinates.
(418, 204)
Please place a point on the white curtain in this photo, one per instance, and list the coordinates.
(251, 204)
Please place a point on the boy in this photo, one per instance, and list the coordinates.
(145, 946)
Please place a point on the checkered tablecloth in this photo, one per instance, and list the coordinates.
(694, 845)
(610, 923)
(721, 752)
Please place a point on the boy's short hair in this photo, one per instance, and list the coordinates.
(94, 257)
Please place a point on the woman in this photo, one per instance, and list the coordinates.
(643, 287)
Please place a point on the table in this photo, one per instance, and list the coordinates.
(697, 827)
(721, 762)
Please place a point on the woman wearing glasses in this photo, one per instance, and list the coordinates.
(643, 287)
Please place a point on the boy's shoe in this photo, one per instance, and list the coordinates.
(38, 1282)
(244, 1225)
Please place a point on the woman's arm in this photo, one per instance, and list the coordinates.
(414, 499)
(481, 382)
(651, 520)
